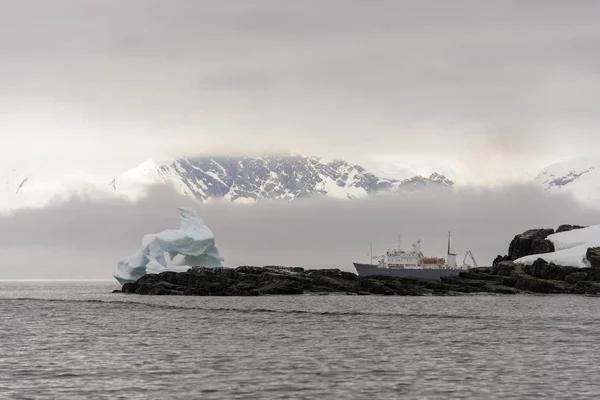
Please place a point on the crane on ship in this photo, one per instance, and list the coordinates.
(469, 254)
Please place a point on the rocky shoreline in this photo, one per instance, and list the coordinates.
(503, 277)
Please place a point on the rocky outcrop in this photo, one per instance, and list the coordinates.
(544, 270)
(530, 242)
(593, 256)
(503, 268)
(272, 280)
(499, 259)
(533, 242)
(540, 277)
(505, 277)
(566, 228)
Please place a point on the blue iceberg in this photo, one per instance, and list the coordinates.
(191, 245)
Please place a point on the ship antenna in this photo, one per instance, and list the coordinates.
(371, 252)
(399, 242)
(449, 243)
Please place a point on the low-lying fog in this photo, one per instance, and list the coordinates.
(83, 240)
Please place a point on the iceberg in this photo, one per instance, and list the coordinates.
(190, 246)
(570, 248)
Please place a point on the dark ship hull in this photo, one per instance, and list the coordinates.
(435, 274)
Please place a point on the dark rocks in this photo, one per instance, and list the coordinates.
(270, 280)
(503, 268)
(277, 280)
(506, 277)
(480, 270)
(576, 277)
(500, 258)
(281, 287)
(593, 274)
(130, 287)
(545, 270)
(509, 280)
(593, 256)
(530, 242)
(588, 288)
(160, 288)
(566, 228)
(332, 273)
(479, 275)
(540, 277)
(530, 284)
(533, 242)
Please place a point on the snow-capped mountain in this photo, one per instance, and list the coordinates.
(238, 179)
(244, 179)
(579, 177)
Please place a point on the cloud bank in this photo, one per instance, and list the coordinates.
(83, 240)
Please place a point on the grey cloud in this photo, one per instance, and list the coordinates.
(80, 239)
(468, 57)
(321, 77)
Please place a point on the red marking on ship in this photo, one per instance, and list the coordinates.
(433, 260)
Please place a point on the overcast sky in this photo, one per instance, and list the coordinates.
(487, 88)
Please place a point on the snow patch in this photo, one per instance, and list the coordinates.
(579, 177)
(571, 247)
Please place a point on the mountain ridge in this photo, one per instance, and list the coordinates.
(249, 179)
(237, 179)
(245, 179)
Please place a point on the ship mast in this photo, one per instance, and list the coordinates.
(449, 253)
(450, 257)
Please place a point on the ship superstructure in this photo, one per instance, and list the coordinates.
(415, 259)
(398, 262)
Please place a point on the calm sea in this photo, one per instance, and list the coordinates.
(76, 340)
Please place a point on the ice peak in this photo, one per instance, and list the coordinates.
(194, 242)
(191, 221)
(149, 164)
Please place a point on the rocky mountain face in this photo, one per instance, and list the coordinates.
(238, 179)
(273, 177)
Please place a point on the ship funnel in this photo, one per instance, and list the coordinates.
(451, 260)
(449, 253)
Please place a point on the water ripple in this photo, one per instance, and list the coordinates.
(79, 341)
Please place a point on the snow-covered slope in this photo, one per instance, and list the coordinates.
(571, 247)
(579, 177)
(244, 179)
(238, 179)
(134, 183)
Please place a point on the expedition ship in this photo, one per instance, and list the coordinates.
(413, 263)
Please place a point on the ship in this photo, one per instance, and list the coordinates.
(413, 263)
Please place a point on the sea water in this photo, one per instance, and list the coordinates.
(77, 340)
